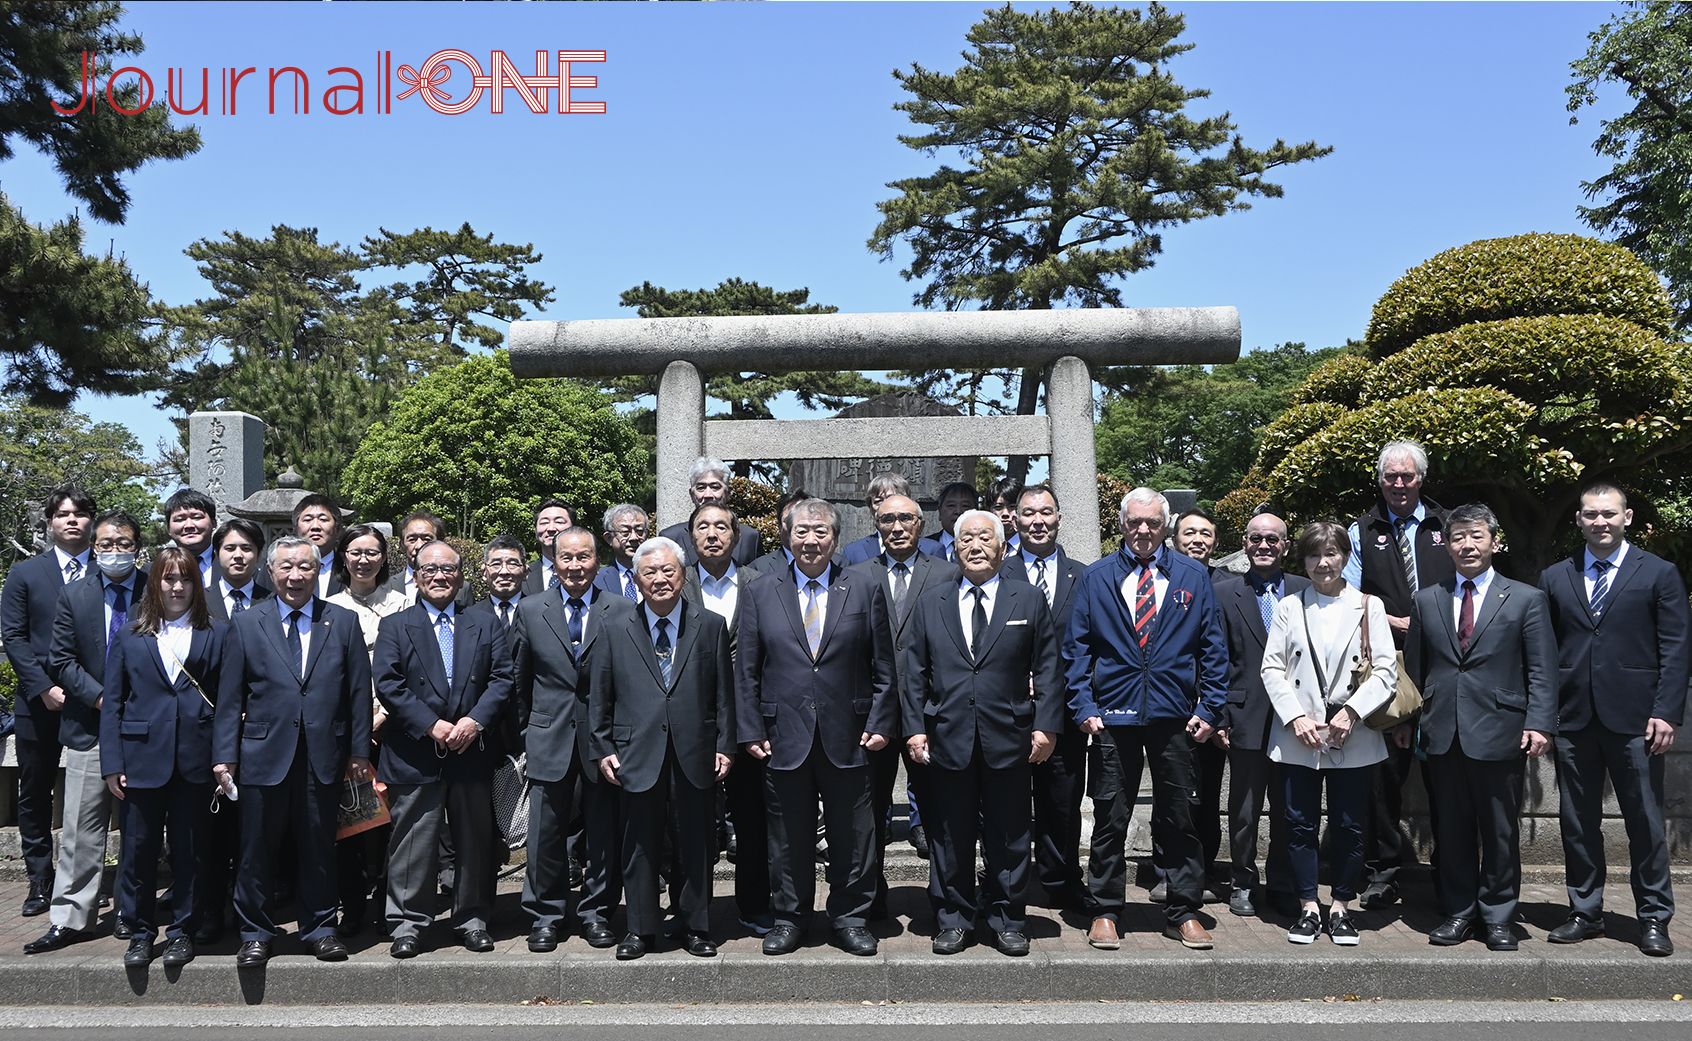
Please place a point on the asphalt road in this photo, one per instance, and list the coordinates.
(1164, 1021)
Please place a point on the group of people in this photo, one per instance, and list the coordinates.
(697, 688)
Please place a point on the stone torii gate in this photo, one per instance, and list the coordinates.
(1066, 343)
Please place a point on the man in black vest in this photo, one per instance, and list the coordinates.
(1397, 548)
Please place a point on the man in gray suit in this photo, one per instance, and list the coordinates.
(1483, 652)
(661, 706)
(553, 640)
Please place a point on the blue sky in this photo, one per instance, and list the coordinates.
(753, 141)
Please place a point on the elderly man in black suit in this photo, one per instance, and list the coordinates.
(554, 639)
(816, 696)
(983, 701)
(1248, 605)
(1622, 624)
(904, 572)
(661, 707)
(91, 613)
(444, 676)
(1482, 650)
(292, 720)
(27, 605)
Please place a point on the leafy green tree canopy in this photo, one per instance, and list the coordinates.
(466, 276)
(483, 448)
(1648, 207)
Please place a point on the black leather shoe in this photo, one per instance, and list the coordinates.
(543, 938)
(855, 939)
(179, 951)
(699, 945)
(1452, 932)
(328, 948)
(950, 941)
(919, 841)
(632, 947)
(140, 952)
(599, 935)
(56, 937)
(783, 939)
(1239, 902)
(478, 940)
(40, 895)
(1499, 937)
(208, 934)
(404, 947)
(1012, 943)
(1654, 939)
(577, 877)
(123, 928)
(251, 953)
(1576, 929)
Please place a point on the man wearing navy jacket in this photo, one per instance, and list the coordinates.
(1148, 660)
(1622, 624)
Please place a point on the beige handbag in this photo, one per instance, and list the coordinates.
(1406, 700)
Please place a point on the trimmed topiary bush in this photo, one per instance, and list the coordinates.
(1338, 381)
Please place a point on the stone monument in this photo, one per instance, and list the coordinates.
(845, 482)
(225, 455)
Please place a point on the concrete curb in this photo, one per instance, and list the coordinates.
(974, 976)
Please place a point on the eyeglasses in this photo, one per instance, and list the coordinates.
(1409, 478)
(364, 554)
(1263, 540)
(431, 570)
(629, 529)
(1129, 524)
(115, 545)
(897, 518)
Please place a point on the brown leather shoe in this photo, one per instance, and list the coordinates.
(1103, 935)
(1191, 934)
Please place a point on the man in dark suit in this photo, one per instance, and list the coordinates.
(552, 517)
(881, 488)
(1482, 650)
(90, 614)
(625, 529)
(554, 638)
(715, 583)
(191, 519)
(983, 700)
(708, 482)
(504, 571)
(1248, 605)
(904, 573)
(293, 719)
(1397, 548)
(661, 707)
(1060, 779)
(27, 606)
(318, 520)
(1622, 628)
(238, 544)
(955, 499)
(1148, 658)
(445, 678)
(815, 696)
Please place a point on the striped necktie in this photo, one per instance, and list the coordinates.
(1406, 553)
(1600, 585)
(1145, 602)
(813, 615)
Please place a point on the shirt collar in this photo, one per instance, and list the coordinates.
(513, 601)
(183, 623)
(825, 578)
(1159, 559)
(246, 590)
(909, 562)
(990, 587)
(1261, 585)
(327, 562)
(435, 612)
(1615, 558)
(706, 579)
(1416, 516)
(674, 618)
(81, 558)
(1482, 582)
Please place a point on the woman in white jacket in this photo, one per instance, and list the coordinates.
(1322, 689)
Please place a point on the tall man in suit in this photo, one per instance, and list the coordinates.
(318, 520)
(904, 573)
(1248, 605)
(444, 676)
(238, 543)
(625, 529)
(1397, 548)
(191, 518)
(983, 700)
(1622, 630)
(815, 696)
(554, 639)
(27, 606)
(293, 719)
(1483, 652)
(1060, 779)
(1148, 659)
(90, 614)
(552, 516)
(661, 706)
(707, 482)
(881, 488)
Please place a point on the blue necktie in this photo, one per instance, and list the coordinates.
(1600, 585)
(295, 651)
(240, 599)
(443, 636)
(661, 644)
(576, 608)
(629, 586)
(1266, 603)
(120, 614)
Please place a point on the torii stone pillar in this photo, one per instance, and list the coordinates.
(1066, 343)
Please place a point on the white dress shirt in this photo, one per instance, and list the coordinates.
(208, 567)
(283, 610)
(224, 589)
(1482, 584)
(325, 569)
(674, 628)
(82, 559)
(175, 640)
(1160, 586)
(720, 594)
(966, 607)
(1615, 560)
(822, 597)
(1051, 563)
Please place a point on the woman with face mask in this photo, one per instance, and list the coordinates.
(156, 751)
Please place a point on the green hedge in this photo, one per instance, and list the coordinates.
(1524, 275)
(1338, 380)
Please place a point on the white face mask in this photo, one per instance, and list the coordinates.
(116, 566)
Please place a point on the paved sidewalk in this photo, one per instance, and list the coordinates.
(1252, 960)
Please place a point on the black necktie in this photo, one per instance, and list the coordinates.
(505, 613)
(295, 653)
(576, 608)
(977, 622)
(662, 646)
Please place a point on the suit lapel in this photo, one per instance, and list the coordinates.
(689, 627)
(466, 634)
(1447, 616)
(954, 625)
(557, 618)
(1493, 603)
(271, 623)
(1629, 568)
(641, 637)
(319, 637)
(1246, 606)
(839, 591)
(428, 648)
(158, 660)
(1006, 597)
(788, 594)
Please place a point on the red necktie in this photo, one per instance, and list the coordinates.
(1466, 618)
(1145, 603)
